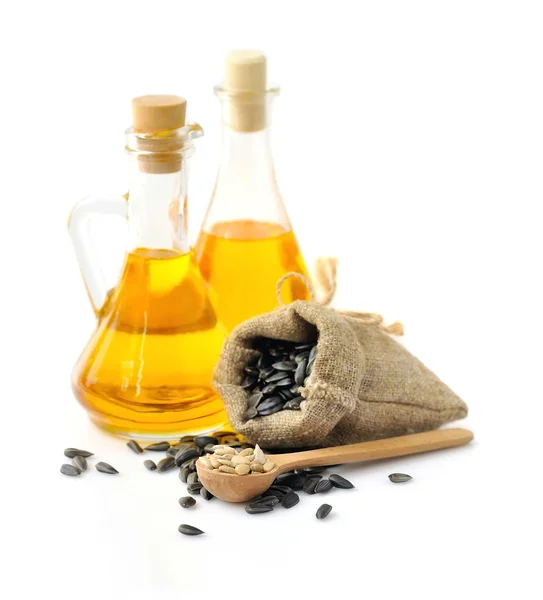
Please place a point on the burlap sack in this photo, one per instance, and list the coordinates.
(364, 384)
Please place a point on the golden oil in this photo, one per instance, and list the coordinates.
(156, 333)
(242, 262)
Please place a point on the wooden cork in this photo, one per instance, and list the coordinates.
(245, 80)
(158, 114)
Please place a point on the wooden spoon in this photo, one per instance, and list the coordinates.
(237, 488)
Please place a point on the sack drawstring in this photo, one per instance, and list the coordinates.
(326, 280)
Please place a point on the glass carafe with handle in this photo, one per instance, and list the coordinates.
(146, 371)
(247, 242)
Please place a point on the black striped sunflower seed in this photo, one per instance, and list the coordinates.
(324, 485)
(323, 511)
(189, 530)
(266, 501)
(80, 462)
(248, 382)
(251, 413)
(135, 447)
(292, 480)
(285, 365)
(203, 440)
(257, 509)
(149, 465)
(399, 477)
(186, 454)
(206, 494)
(72, 452)
(299, 375)
(158, 447)
(340, 482)
(194, 488)
(166, 464)
(290, 500)
(184, 474)
(294, 403)
(310, 485)
(70, 470)
(104, 467)
(187, 501)
(193, 478)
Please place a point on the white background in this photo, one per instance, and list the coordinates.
(408, 142)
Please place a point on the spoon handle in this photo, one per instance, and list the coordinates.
(387, 448)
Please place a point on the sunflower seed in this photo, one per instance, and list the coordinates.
(189, 530)
(256, 509)
(186, 439)
(268, 466)
(206, 494)
(279, 489)
(304, 346)
(187, 501)
(226, 469)
(193, 478)
(293, 404)
(260, 457)
(242, 469)
(310, 470)
(214, 461)
(194, 488)
(67, 469)
(323, 511)
(203, 440)
(166, 464)
(205, 462)
(185, 454)
(265, 501)
(286, 365)
(312, 354)
(72, 452)
(183, 474)
(340, 482)
(290, 500)
(299, 375)
(284, 382)
(149, 464)
(135, 447)
(255, 398)
(248, 382)
(104, 467)
(250, 413)
(80, 462)
(276, 376)
(265, 373)
(251, 370)
(299, 357)
(269, 388)
(270, 411)
(269, 403)
(292, 480)
(399, 477)
(158, 447)
(324, 485)
(310, 485)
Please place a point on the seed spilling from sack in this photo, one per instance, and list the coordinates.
(275, 377)
(247, 461)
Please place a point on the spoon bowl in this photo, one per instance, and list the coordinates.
(240, 488)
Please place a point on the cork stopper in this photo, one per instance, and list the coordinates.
(245, 80)
(158, 114)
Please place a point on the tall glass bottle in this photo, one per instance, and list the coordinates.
(247, 243)
(146, 371)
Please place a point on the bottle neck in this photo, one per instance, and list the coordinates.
(246, 187)
(157, 210)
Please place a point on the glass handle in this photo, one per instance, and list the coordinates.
(78, 227)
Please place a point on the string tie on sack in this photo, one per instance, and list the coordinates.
(326, 280)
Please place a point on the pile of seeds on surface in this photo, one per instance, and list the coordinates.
(79, 463)
(275, 377)
(229, 447)
(245, 462)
